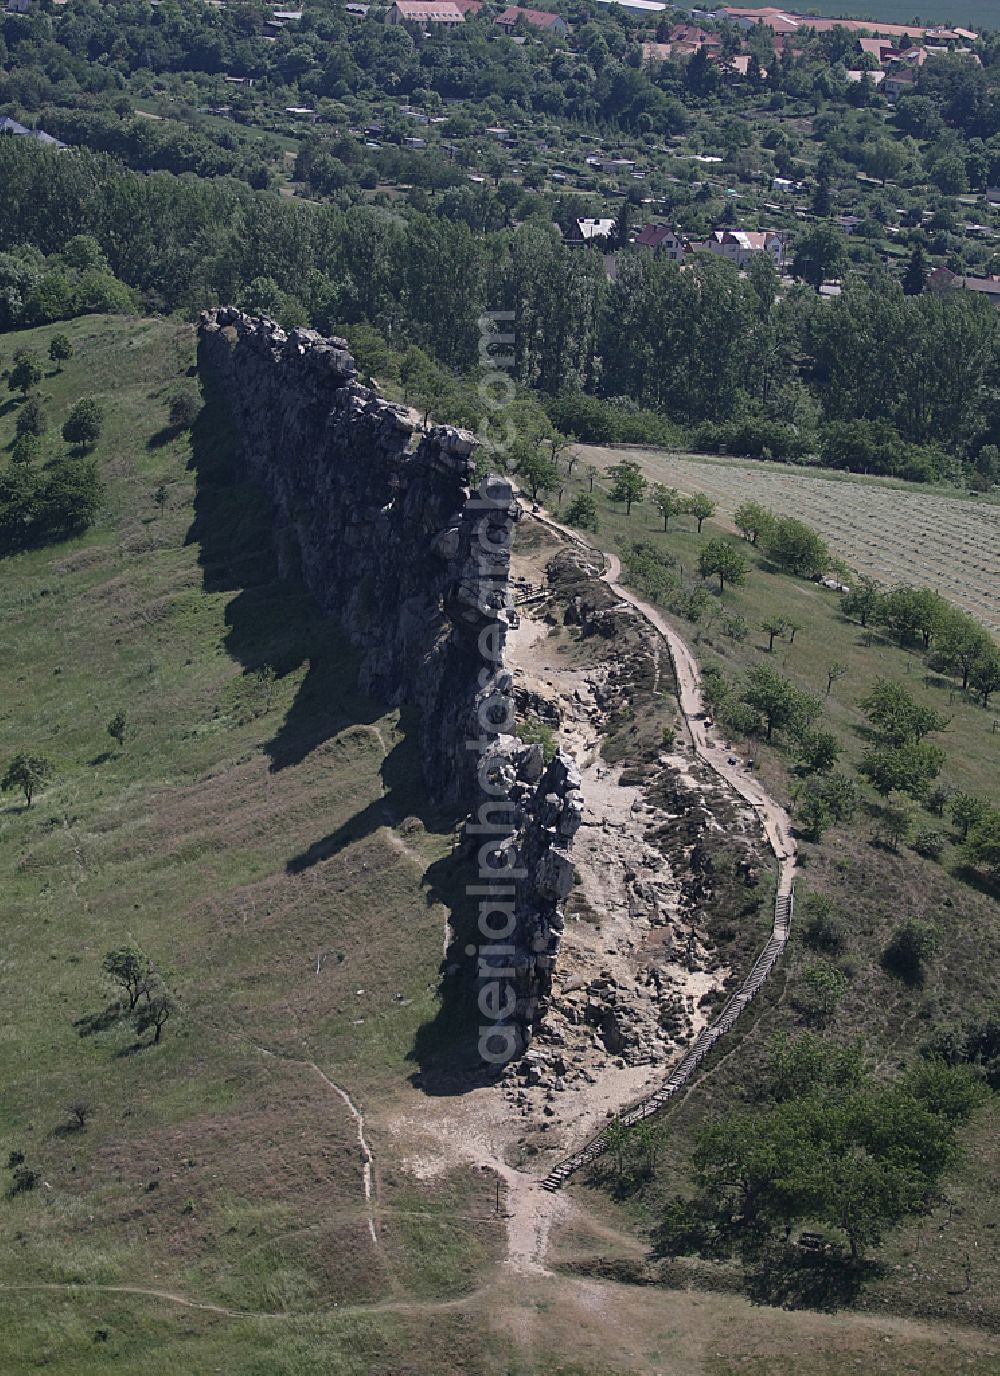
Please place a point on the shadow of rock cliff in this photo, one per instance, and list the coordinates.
(275, 621)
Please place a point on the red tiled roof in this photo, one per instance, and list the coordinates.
(538, 19)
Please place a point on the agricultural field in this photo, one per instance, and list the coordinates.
(979, 14)
(889, 532)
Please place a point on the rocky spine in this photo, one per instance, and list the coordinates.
(396, 543)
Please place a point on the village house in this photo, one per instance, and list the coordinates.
(739, 245)
(536, 19)
(881, 49)
(943, 280)
(11, 128)
(665, 239)
(898, 81)
(588, 231)
(424, 12)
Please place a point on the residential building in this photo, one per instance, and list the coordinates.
(424, 12)
(898, 81)
(536, 19)
(665, 239)
(943, 280)
(881, 49)
(590, 231)
(739, 245)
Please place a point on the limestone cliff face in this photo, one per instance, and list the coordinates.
(412, 560)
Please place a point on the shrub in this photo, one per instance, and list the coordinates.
(818, 992)
(582, 512)
(183, 409)
(910, 948)
(929, 843)
(795, 546)
(824, 928)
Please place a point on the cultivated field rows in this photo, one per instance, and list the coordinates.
(894, 535)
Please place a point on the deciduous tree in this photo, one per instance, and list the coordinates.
(629, 483)
(701, 507)
(667, 501)
(28, 773)
(84, 424)
(723, 560)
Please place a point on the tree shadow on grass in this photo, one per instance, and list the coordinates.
(275, 621)
(164, 436)
(790, 1278)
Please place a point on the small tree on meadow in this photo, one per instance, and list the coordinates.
(817, 751)
(79, 1111)
(28, 773)
(777, 701)
(772, 628)
(84, 424)
(60, 349)
(967, 811)
(629, 484)
(667, 501)
(25, 449)
(751, 519)
(152, 1015)
(132, 971)
(985, 675)
(894, 821)
(722, 560)
(834, 672)
(539, 472)
(31, 419)
(863, 601)
(117, 727)
(983, 844)
(26, 373)
(701, 507)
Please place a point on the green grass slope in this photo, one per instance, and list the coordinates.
(873, 889)
(244, 837)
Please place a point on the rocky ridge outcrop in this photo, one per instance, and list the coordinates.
(399, 545)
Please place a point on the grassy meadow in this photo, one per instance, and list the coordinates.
(263, 837)
(260, 838)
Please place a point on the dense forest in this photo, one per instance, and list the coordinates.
(410, 245)
(704, 346)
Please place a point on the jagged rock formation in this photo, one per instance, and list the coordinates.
(413, 561)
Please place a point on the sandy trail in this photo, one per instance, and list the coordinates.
(772, 816)
(775, 820)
